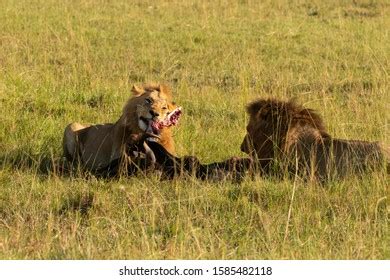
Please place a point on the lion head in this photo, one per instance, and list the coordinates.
(274, 126)
(151, 109)
(294, 138)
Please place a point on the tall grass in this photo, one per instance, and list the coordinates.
(64, 61)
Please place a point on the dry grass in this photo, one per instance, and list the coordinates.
(62, 61)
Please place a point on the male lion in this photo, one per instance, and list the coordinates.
(293, 138)
(149, 113)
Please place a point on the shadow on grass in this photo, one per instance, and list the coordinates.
(73, 200)
(41, 164)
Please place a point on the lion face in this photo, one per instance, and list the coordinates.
(153, 109)
(274, 126)
(256, 141)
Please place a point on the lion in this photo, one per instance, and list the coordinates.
(149, 113)
(284, 136)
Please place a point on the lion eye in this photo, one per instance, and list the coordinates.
(148, 101)
(164, 108)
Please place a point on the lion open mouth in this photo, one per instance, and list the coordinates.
(155, 126)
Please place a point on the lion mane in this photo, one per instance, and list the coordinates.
(284, 136)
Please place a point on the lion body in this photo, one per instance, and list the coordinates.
(96, 146)
(284, 136)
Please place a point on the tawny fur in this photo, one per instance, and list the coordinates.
(96, 146)
(294, 138)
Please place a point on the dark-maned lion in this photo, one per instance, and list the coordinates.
(150, 112)
(284, 136)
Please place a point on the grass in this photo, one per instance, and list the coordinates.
(62, 61)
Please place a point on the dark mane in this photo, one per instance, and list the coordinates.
(286, 113)
(285, 136)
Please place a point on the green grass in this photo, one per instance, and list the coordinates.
(64, 61)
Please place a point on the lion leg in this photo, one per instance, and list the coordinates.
(71, 145)
(234, 168)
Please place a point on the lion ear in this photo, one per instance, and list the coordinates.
(165, 90)
(254, 107)
(137, 91)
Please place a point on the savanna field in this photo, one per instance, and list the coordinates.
(65, 61)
